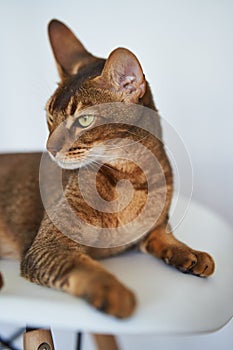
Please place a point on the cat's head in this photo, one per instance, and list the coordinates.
(86, 81)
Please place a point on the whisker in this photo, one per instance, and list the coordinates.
(96, 165)
(127, 145)
(132, 133)
(97, 155)
(96, 160)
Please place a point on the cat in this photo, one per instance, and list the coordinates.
(27, 233)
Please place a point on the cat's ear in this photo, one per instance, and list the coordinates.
(69, 53)
(123, 74)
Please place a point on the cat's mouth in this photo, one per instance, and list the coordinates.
(69, 164)
(95, 156)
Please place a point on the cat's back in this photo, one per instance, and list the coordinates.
(17, 169)
(21, 209)
(20, 160)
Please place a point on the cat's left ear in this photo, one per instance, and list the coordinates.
(69, 53)
(123, 74)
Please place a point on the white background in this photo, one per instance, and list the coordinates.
(186, 50)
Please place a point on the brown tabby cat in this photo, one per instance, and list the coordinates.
(48, 257)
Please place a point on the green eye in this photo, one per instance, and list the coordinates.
(86, 120)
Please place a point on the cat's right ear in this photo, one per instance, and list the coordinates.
(69, 53)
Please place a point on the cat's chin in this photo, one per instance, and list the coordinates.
(69, 165)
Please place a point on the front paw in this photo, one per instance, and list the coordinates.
(104, 292)
(110, 296)
(190, 261)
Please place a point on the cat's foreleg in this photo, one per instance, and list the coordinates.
(57, 262)
(162, 244)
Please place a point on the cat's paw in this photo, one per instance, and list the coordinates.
(112, 298)
(105, 293)
(190, 261)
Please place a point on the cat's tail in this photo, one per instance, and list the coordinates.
(1, 280)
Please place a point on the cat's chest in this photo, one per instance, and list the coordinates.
(106, 201)
(108, 212)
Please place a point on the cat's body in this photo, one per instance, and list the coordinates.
(48, 256)
(21, 208)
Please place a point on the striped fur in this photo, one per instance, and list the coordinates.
(47, 256)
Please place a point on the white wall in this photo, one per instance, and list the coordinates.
(185, 48)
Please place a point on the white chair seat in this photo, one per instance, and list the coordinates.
(169, 302)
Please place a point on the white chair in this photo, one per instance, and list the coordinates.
(169, 302)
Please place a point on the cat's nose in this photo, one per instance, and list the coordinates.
(58, 140)
(54, 145)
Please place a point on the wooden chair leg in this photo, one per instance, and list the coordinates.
(105, 342)
(39, 339)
